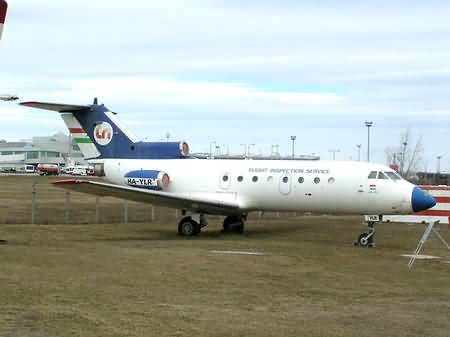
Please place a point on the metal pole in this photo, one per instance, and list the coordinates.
(153, 213)
(359, 151)
(125, 212)
(293, 138)
(97, 210)
(33, 203)
(334, 153)
(67, 208)
(438, 164)
(368, 125)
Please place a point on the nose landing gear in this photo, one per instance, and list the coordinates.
(367, 239)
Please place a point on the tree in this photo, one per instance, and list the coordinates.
(407, 156)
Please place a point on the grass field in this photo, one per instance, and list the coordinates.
(141, 279)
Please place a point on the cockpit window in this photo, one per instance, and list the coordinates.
(373, 175)
(381, 175)
(392, 175)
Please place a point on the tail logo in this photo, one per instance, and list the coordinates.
(103, 133)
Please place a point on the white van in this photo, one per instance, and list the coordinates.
(79, 171)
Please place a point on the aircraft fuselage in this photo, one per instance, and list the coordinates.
(275, 185)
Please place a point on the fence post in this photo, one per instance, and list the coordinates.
(33, 203)
(67, 208)
(125, 212)
(153, 214)
(97, 210)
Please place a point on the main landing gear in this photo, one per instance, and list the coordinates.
(192, 225)
(367, 239)
(234, 223)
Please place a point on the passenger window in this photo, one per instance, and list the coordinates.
(301, 180)
(373, 175)
(316, 180)
(240, 178)
(381, 175)
(255, 179)
(285, 179)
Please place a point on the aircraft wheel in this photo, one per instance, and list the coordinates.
(363, 241)
(188, 227)
(233, 223)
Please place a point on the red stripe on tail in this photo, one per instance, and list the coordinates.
(76, 130)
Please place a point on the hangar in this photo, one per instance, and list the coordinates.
(56, 149)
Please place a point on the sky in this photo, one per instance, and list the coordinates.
(238, 72)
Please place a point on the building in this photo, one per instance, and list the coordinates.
(40, 150)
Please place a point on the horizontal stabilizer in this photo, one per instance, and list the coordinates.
(56, 106)
(149, 196)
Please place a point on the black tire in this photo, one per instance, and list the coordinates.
(188, 227)
(233, 223)
(240, 228)
(198, 228)
(363, 242)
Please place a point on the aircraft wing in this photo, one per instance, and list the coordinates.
(149, 196)
(56, 106)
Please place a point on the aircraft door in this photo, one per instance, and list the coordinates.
(285, 184)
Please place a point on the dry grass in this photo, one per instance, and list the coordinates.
(143, 280)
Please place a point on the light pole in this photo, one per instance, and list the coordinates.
(274, 150)
(245, 150)
(293, 138)
(359, 151)
(248, 149)
(211, 148)
(438, 164)
(334, 153)
(368, 125)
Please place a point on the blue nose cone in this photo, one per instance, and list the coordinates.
(421, 201)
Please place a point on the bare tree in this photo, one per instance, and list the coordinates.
(406, 156)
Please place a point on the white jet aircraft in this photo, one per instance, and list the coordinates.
(163, 173)
(8, 98)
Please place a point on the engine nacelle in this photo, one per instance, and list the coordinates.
(148, 179)
(159, 150)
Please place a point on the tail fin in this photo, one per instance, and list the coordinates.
(100, 134)
(3, 8)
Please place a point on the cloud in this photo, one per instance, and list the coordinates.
(219, 63)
